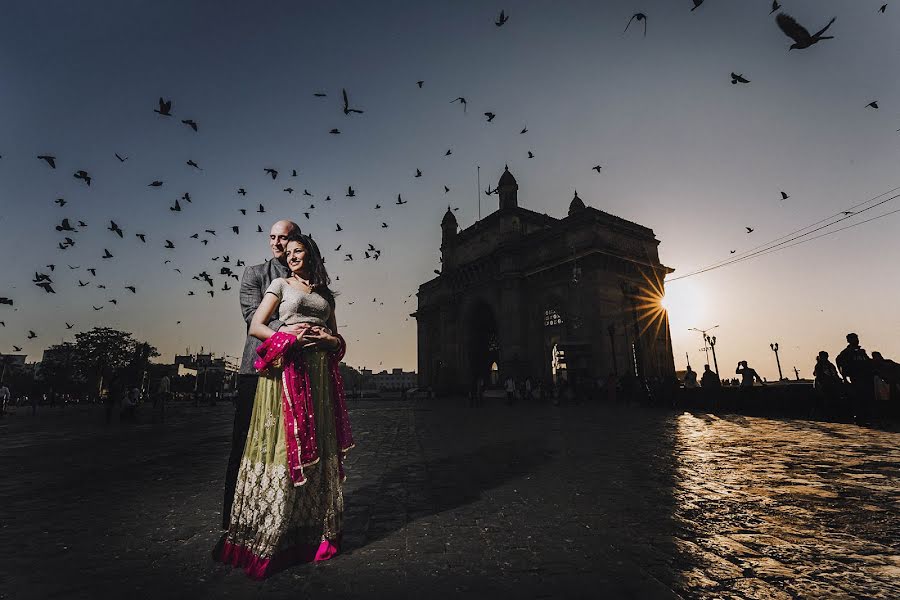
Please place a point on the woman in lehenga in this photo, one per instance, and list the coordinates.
(288, 505)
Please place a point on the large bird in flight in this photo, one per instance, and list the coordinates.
(165, 108)
(347, 109)
(640, 17)
(798, 33)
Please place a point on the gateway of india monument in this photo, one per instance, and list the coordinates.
(524, 294)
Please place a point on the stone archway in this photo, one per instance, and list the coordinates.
(482, 346)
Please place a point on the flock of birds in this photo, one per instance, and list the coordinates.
(222, 267)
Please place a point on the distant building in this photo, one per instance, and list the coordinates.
(524, 294)
(396, 380)
(213, 374)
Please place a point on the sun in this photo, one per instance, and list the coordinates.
(664, 303)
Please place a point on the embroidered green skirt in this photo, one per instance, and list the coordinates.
(273, 523)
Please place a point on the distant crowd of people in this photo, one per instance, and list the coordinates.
(855, 386)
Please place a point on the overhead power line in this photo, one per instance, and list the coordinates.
(780, 243)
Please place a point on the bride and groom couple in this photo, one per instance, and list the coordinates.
(283, 488)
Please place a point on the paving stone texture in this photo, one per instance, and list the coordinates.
(443, 500)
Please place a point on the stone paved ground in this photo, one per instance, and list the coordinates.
(444, 500)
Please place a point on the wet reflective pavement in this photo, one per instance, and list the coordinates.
(779, 508)
(527, 502)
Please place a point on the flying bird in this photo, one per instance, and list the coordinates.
(872, 104)
(735, 78)
(131, 289)
(165, 108)
(448, 152)
(338, 227)
(271, 172)
(186, 196)
(191, 163)
(775, 6)
(120, 158)
(68, 326)
(31, 335)
(401, 201)
(83, 175)
(156, 183)
(242, 191)
(347, 109)
(883, 8)
(306, 192)
(798, 33)
(261, 209)
(462, 101)
(51, 160)
(115, 228)
(351, 193)
(502, 19)
(490, 116)
(190, 123)
(637, 17)
(784, 196)
(169, 244)
(596, 168)
(106, 254)
(418, 173)
(60, 201)
(697, 4)
(530, 154)
(177, 207)
(320, 94)
(289, 190)
(236, 229)
(335, 131)
(749, 229)
(141, 237)
(420, 83)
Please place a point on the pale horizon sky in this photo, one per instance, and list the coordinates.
(683, 151)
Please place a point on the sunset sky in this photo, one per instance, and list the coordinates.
(683, 150)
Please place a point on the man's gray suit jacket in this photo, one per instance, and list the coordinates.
(254, 283)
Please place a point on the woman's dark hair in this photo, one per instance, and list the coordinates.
(318, 279)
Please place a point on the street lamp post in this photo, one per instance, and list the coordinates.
(774, 347)
(705, 347)
(711, 342)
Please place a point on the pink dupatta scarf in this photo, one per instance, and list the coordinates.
(297, 403)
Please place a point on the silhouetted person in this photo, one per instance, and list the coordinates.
(4, 398)
(886, 368)
(748, 375)
(710, 379)
(510, 390)
(854, 364)
(827, 383)
(889, 371)
(690, 378)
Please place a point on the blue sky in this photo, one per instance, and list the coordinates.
(683, 151)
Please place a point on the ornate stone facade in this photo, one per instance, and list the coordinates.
(525, 294)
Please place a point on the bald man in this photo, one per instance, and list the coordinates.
(255, 281)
